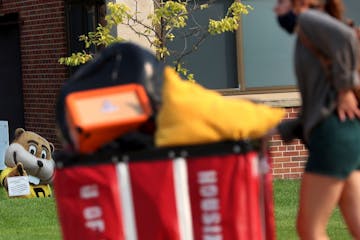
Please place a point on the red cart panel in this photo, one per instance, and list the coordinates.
(182, 196)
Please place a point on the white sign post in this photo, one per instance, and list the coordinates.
(4, 142)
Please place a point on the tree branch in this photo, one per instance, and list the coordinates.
(147, 36)
(194, 47)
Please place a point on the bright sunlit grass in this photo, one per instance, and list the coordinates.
(28, 219)
(286, 203)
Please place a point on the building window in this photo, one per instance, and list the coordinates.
(82, 16)
(266, 60)
(256, 58)
(214, 63)
(266, 51)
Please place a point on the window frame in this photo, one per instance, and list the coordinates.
(243, 90)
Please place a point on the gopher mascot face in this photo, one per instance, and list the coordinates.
(34, 153)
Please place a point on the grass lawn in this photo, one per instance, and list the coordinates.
(286, 201)
(28, 219)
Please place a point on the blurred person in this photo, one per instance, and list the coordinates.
(328, 122)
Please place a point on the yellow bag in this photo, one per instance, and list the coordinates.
(191, 114)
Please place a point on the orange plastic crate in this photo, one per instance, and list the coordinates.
(97, 116)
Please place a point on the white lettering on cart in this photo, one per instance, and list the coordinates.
(89, 191)
(210, 205)
(92, 214)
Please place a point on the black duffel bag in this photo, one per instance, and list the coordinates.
(118, 64)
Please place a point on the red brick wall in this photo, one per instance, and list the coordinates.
(288, 159)
(43, 42)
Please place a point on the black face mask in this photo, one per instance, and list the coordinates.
(288, 21)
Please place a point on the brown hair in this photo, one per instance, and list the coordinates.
(334, 8)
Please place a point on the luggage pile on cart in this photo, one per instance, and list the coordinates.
(113, 182)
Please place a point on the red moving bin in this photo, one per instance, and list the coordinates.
(209, 192)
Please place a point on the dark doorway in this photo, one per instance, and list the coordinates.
(11, 90)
